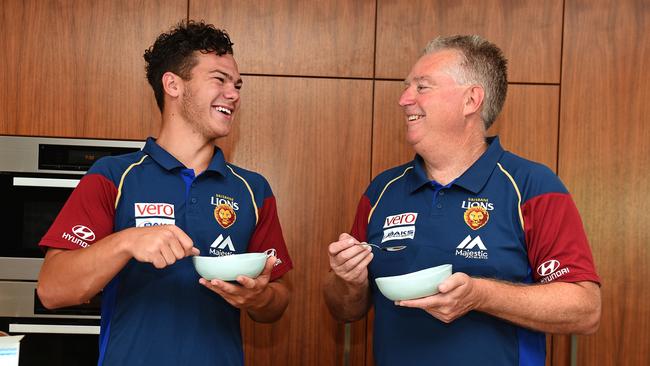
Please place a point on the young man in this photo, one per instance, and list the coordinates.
(150, 211)
(507, 225)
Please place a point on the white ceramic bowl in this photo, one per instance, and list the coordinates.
(415, 284)
(227, 268)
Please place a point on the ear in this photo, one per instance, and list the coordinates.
(474, 98)
(172, 84)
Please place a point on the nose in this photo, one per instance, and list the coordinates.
(407, 97)
(231, 93)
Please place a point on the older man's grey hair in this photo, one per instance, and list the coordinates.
(482, 63)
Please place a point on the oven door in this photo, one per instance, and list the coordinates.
(32, 202)
(55, 342)
(65, 336)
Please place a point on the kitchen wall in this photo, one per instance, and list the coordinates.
(319, 119)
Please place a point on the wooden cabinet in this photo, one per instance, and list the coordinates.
(528, 31)
(319, 118)
(74, 68)
(314, 148)
(605, 162)
(332, 38)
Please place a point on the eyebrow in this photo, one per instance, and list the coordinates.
(237, 82)
(417, 79)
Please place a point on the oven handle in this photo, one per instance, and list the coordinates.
(45, 182)
(53, 328)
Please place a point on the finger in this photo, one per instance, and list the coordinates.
(360, 272)
(365, 262)
(159, 262)
(341, 245)
(350, 258)
(167, 254)
(345, 236)
(177, 250)
(422, 303)
(225, 288)
(262, 278)
(212, 287)
(195, 251)
(247, 282)
(268, 266)
(452, 282)
(185, 241)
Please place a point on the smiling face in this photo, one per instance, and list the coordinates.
(432, 100)
(211, 97)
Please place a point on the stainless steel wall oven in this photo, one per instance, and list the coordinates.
(36, 177)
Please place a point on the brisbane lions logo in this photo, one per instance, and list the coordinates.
(225, 215)
(476, 217)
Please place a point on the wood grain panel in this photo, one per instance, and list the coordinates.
(74, 68)
(289, 37)
(311, 139)
(528, 31)
(605, 162)
(527, 125)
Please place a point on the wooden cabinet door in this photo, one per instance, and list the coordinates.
(74, 68)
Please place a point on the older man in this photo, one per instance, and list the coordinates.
(508, 226)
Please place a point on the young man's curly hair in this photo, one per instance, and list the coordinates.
(174, 51)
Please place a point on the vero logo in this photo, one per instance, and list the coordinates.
(154, 209)
(407, 218)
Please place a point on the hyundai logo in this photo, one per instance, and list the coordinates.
(548, 267)
(83, 233)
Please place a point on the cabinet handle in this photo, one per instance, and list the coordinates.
(53, 328)
(45, 182)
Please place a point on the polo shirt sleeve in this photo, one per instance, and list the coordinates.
(86, 217)
(558, 249)
(268, 235)
(360, 225)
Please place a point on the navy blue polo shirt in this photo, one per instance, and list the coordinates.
(505, 218)
(164, 316)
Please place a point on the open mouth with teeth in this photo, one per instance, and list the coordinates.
(414, 117)
(224, 110)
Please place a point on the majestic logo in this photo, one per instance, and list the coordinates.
(219, 246)
(225, 215)
(469, 243)
(397, 233)
(467, 248)
(407, 218)
(476, 217)
(152, 214)
(551, 270)
(83, 233)
(548, 267)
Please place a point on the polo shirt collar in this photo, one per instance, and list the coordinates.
(169, 162)
(473, 179)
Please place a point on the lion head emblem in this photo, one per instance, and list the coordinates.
(476, 217)
(225, 215)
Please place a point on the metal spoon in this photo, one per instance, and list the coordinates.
(395, 248)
